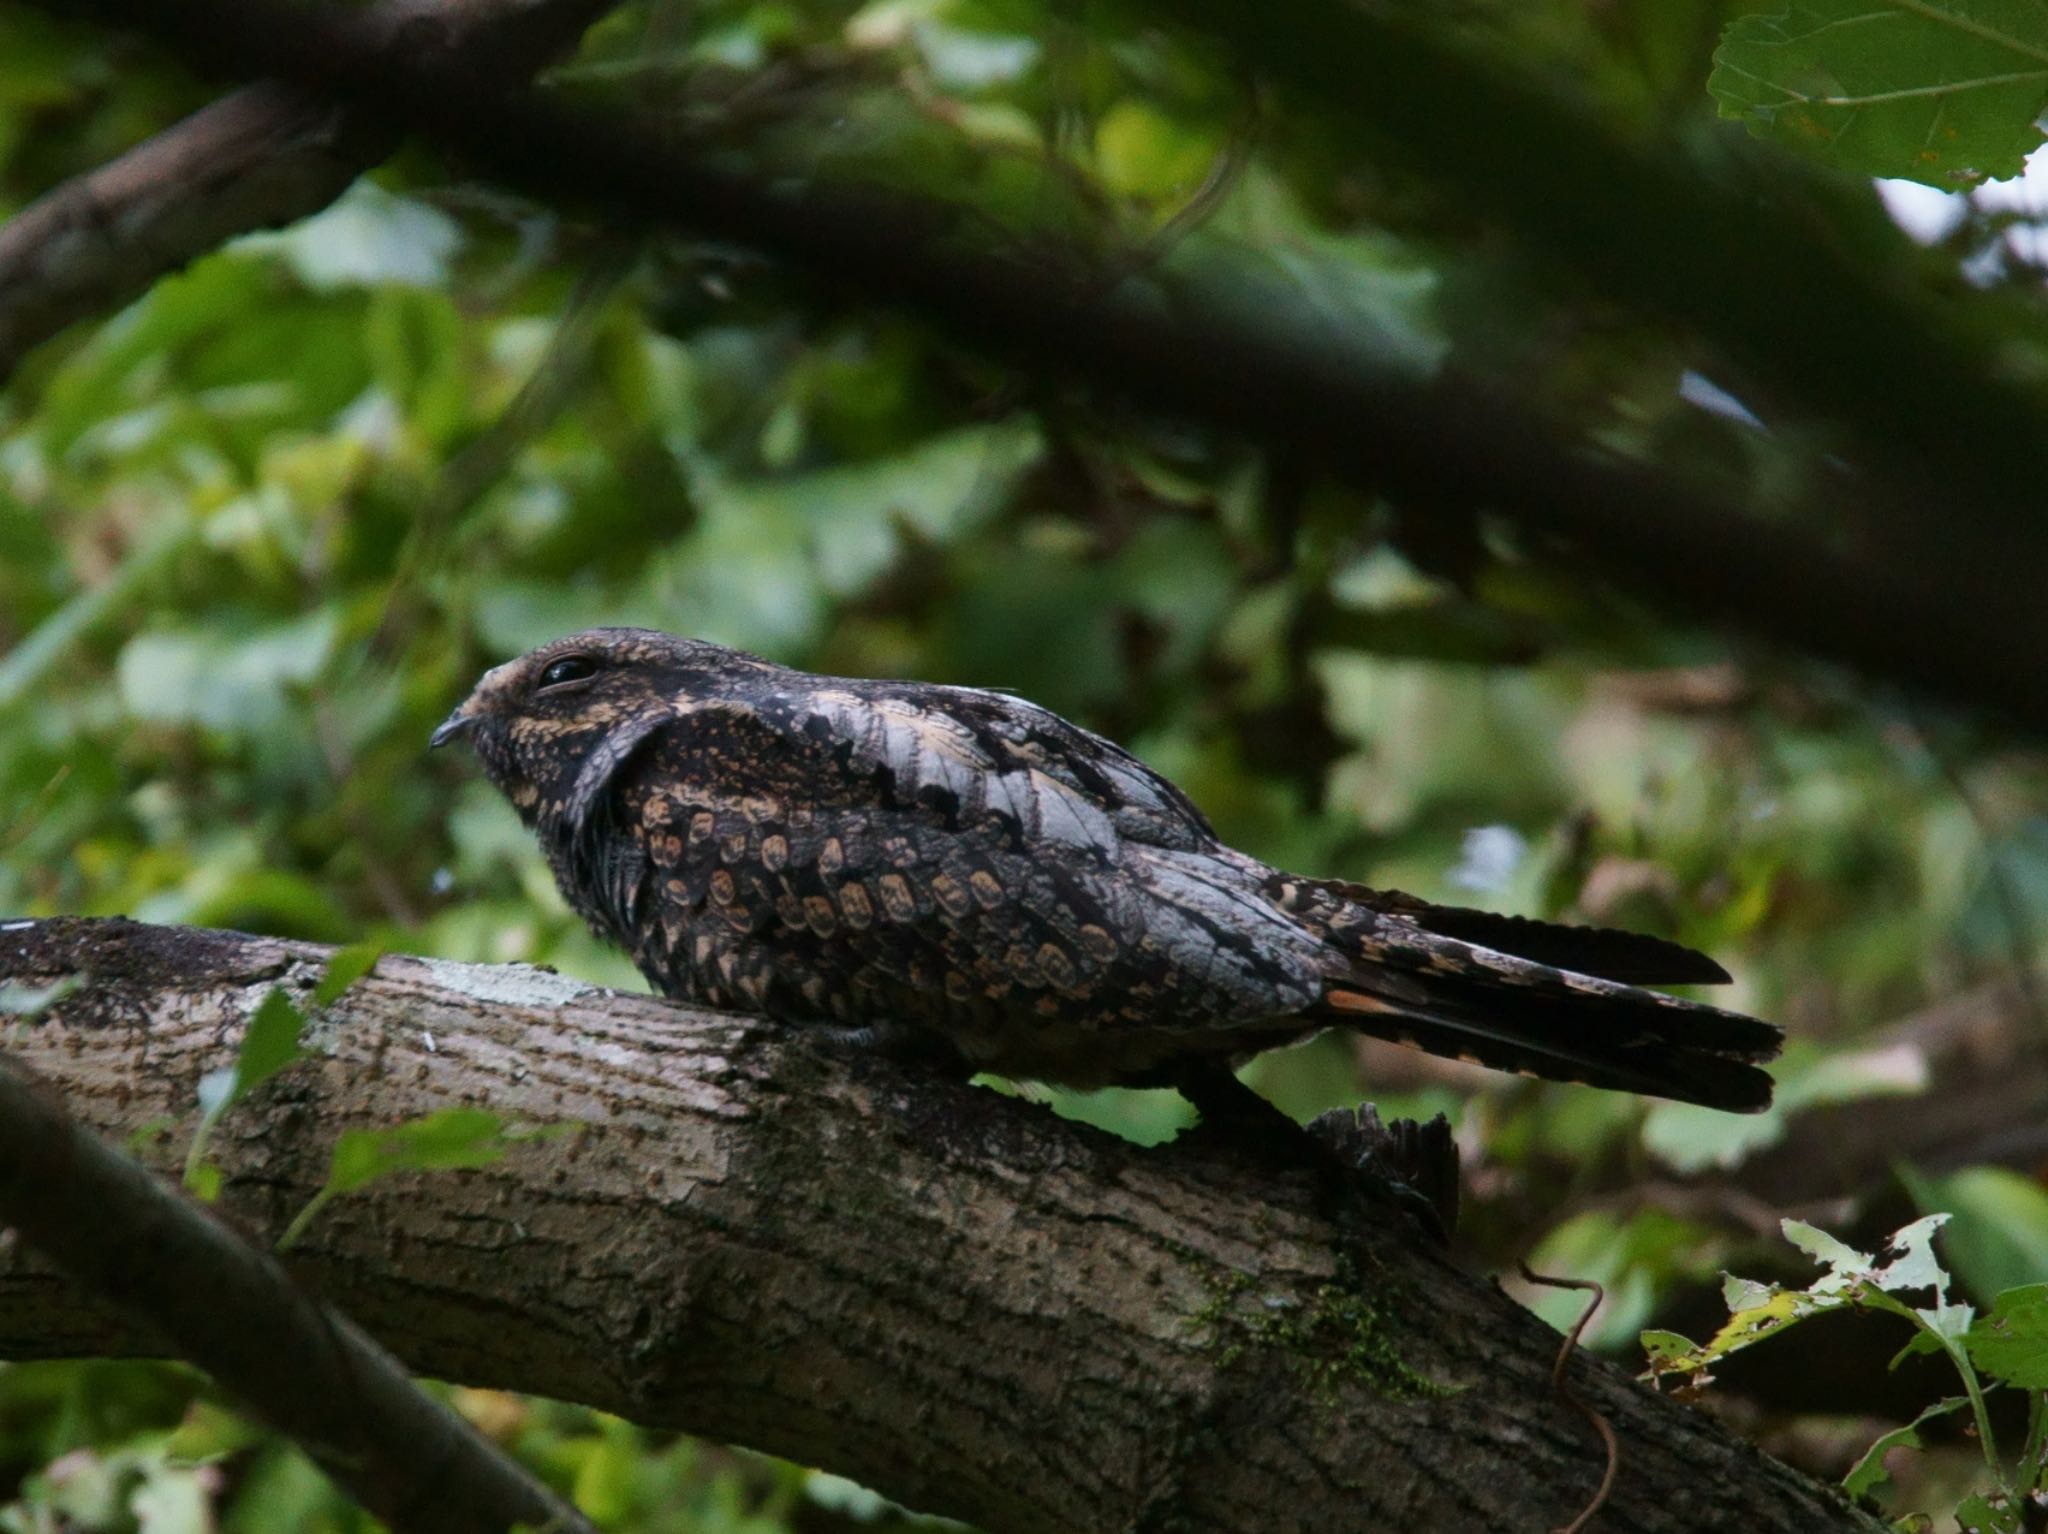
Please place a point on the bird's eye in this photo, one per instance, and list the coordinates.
(570, 668)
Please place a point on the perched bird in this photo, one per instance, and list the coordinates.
(965, 876)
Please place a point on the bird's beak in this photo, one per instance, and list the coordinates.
(454, 726)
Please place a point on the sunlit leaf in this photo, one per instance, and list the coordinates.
(1842, 1260)
(1998, 1236)
(365, 238)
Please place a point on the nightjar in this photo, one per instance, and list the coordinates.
(960, 874)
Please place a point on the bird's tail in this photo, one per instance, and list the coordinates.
(1544, 1000)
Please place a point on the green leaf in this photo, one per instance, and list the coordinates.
(1940, 91)
(1141, 152)
(343, 970)
(604, 1481)
(26, 666)
(1689, 1138)
(1841, 1259)
(1869, 1472)
(1853, 1280)
(452, 1139)
(269, 1044)
(1998, 1238)
(222, 678)
(368, 237)
(1981, 1514)
(32, 1001)
(203, 1179)
(2011, 1343)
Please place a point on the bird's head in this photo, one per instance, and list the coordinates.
(552, 727)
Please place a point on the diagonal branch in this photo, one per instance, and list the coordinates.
(964, 1301)
(262, 156)
(181, 1275)
(1216, 346)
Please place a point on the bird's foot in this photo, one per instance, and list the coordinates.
(1413, 1163)
(1357, 1156)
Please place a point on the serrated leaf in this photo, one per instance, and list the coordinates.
(1980, 1515)
(343, 970)
(1739, 1293)
(2011, 1343)
(1940, 91)
(1869, 1472)
(1841, 1260)
(1915, 1266)
(1998, 1239)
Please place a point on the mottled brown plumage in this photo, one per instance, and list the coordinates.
(961, 873)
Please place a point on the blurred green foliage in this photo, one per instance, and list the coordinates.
(262, 527)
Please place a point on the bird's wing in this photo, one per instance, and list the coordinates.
(964, 752)
(930, 853)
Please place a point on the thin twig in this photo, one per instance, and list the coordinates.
(1573, 1399)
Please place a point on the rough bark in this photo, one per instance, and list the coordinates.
(966, 1302)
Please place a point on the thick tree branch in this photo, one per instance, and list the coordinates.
(968, 1303)
(228, 1306)
(1216, 345)
(262, 156)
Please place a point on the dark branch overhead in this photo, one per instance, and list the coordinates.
(262, 156)
(1820, 301)
(1940, 608)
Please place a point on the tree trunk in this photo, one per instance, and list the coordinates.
(957, 1298)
